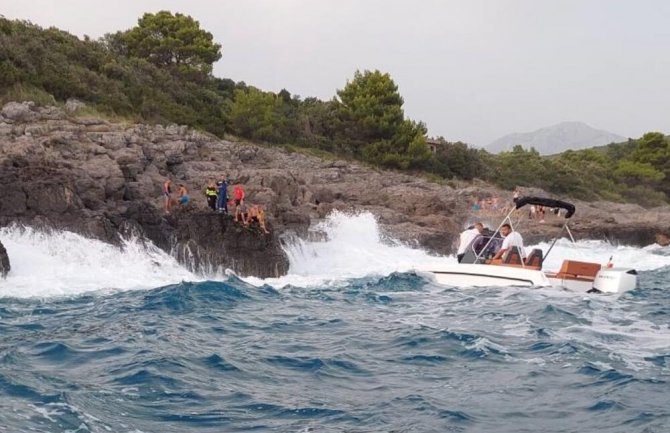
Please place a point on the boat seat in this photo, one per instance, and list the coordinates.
(535, 258)
(512, 257)
(574, 270)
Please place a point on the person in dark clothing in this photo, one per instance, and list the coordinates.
(211, 193)
(222, 203)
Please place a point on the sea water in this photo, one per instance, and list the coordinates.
(95, 338)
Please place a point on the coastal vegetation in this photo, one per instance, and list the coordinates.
(161, 71)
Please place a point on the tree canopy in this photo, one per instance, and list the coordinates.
(167, 39)
(374, 122)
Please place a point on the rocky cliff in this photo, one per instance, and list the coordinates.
(103, 179)
(4, 262)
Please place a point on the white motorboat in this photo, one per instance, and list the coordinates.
(477, 268)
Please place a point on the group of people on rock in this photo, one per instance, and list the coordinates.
(511, 239)
(491, 205)
(218, 200)
(182, 195)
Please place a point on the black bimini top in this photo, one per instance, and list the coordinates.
(548, 202)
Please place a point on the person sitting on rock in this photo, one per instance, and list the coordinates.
(242, 213)
(257, 215)
(182, 194)
(211, 194)
(167, 193)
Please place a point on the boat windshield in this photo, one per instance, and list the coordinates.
(479, 247)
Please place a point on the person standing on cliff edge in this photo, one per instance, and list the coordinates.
(167, 193)
(210, 193)
(239, 196)
(222, 204)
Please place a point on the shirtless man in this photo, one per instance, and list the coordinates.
(257, 214)
(182, 194)
(167, 193)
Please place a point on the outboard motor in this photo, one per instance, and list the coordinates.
(615, 280)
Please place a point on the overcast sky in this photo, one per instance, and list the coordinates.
(472, 70)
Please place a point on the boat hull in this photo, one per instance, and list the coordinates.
(483, 275)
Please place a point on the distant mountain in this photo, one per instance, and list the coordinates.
(556, 139)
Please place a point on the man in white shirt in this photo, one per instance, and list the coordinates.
(466, 237)
(512, 239)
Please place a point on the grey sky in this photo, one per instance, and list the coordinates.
(473, 70)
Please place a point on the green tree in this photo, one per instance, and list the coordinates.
(169, 40)
(374, 122)
(261, 116)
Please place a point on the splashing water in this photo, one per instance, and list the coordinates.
(64, 263)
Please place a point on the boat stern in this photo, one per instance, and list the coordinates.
(615, 280)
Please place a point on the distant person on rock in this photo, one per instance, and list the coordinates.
(238, 196)
(515, 196)
(466, 238)
(167, 193)
(182, 194)
(512, 239)
(222, 203)
(211, 194)
(476, 205)
(242, 213)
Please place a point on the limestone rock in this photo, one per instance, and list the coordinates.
(4, 262)
(19, 111)
(72, 105)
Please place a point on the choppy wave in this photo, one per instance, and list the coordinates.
(376, 354)
(348, 341)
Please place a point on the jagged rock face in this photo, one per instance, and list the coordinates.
(4, 262)
(84, 175)
(208, 242)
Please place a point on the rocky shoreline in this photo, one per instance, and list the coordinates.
(103, 179)
(4, 262)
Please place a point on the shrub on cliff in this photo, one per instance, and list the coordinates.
(266, 116)
(52, 62)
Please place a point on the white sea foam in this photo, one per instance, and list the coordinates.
(354, 247)
(63, 263)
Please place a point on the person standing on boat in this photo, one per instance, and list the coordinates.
(512, 239)
(466, 238)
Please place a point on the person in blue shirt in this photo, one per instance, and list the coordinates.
(222, 203)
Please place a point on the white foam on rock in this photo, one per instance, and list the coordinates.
(61, 263)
